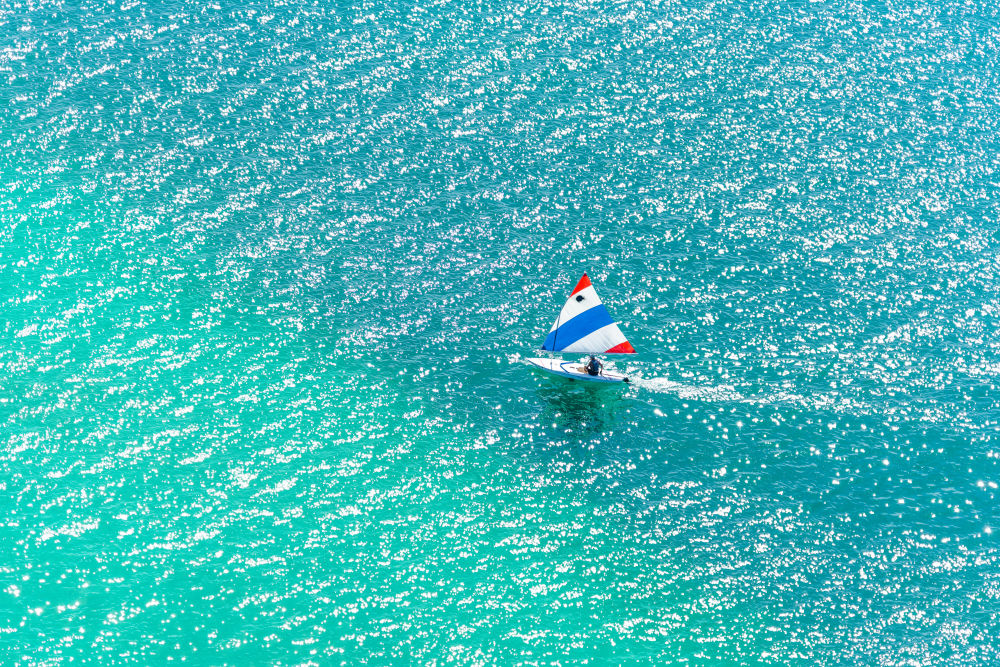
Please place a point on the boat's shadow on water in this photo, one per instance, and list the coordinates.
(581, 408)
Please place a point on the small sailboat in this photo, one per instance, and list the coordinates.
(585, 326)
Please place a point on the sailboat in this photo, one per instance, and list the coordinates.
(585, 326)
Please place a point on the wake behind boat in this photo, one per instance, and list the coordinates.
(584, 326)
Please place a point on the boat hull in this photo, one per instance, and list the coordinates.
(574, 370)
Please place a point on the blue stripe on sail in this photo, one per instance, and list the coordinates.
(582, 325)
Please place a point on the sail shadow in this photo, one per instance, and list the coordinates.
(580, 407)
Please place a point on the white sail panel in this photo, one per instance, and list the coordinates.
(604, 339)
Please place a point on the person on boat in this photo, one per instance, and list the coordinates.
(593, 366)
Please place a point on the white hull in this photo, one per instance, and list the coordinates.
(575, 371)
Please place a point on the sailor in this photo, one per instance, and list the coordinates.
(593, 366)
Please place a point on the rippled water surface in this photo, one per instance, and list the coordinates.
(268, 273)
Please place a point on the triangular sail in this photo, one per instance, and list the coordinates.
(585, 326)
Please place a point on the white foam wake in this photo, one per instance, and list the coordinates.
(708, 393)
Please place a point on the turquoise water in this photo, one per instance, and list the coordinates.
(269, 273)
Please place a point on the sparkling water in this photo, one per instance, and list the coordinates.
(269, 271)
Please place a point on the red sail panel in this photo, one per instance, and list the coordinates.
(582, 285)
(622, 348)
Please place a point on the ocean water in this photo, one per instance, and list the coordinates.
(269, 272)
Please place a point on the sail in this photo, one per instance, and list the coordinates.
(585, 326)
